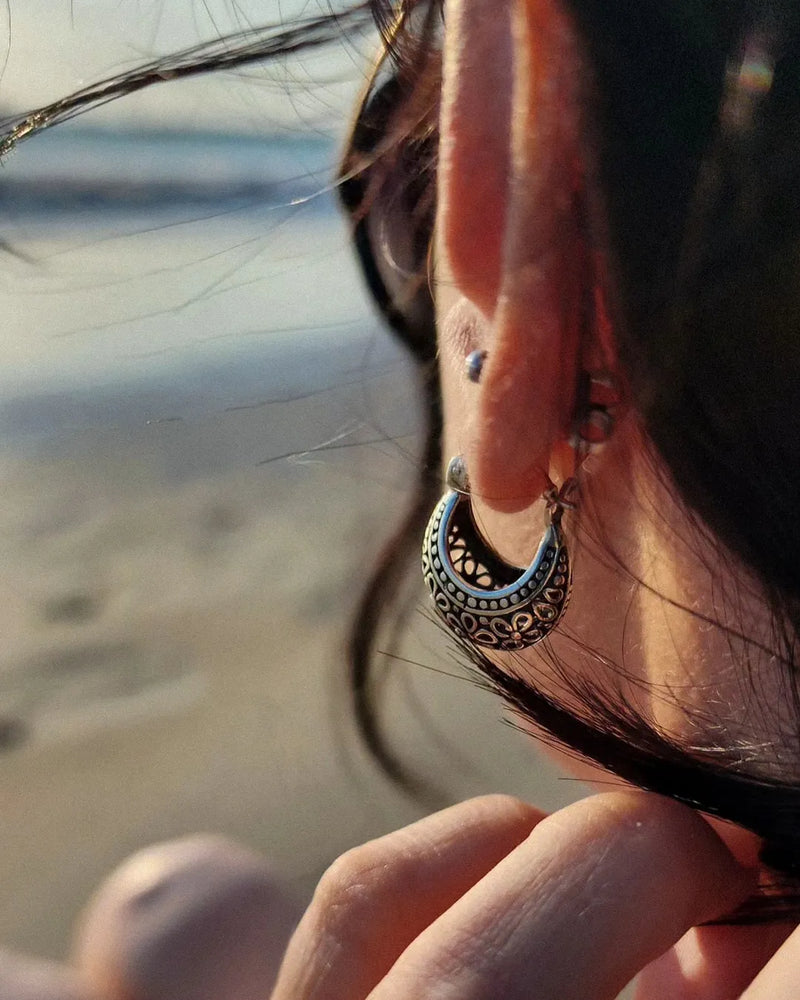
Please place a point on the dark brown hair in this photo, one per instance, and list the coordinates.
(694, 153)
(695, 158)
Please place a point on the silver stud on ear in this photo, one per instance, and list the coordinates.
(473, 365)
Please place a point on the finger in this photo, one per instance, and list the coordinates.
(711, 963)
(377, 898)
(780, 977)
(596, 892)
(194, 919)
(24, 978)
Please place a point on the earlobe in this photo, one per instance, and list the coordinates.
(517, 460)
(519, 416)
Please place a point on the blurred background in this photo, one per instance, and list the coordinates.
(205, 436)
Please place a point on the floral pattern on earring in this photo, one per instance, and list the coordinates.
(480, 597)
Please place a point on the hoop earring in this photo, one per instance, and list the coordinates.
(480, 597)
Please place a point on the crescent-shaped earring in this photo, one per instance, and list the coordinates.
(480, 597)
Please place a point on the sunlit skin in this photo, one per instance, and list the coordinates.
(512, 427)
(491, 898)
(648, 582)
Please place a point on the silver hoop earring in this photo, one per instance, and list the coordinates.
(480, 597)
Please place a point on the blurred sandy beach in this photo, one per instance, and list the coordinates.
(184, 532)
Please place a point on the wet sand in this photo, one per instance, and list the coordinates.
(190, 499)
(172, 655)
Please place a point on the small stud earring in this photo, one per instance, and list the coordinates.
(595, 414)
(473, 365)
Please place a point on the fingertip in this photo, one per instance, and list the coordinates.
(595, 893)
(500, 809)
(671, 849)
(185, 920)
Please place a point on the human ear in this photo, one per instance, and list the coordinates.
(511, 227)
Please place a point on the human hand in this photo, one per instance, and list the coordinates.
(490, 900)
(486, 900)
(200, 918)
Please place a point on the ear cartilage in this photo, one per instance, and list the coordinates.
(473, 365)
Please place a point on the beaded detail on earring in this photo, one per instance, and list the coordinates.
(480, 597)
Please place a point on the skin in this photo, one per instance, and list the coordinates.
(645, 574)
(484, 899)
(492, 898)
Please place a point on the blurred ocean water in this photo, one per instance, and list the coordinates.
(191, 373)
(205, 439)
(184, 336)
(163, 275)
(76, 169)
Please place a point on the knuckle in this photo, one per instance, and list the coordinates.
(352, 884)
